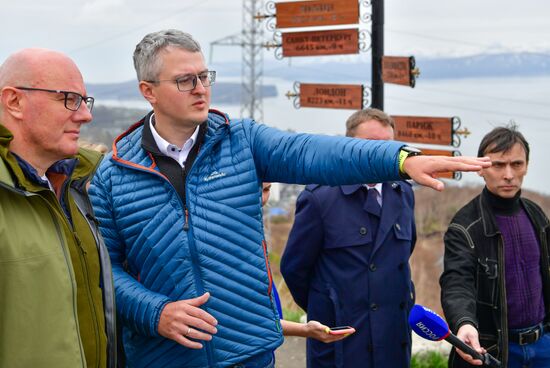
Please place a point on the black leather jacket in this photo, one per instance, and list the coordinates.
(473, 286)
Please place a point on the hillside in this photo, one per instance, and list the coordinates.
(433, 213)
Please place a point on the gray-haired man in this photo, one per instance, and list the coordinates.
(179, 203)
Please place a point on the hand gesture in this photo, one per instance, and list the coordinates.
(422, 169)
(184, 321)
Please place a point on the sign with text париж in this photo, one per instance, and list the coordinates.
(316, 13)
(333, 96)
(424, 129)
(333, 42)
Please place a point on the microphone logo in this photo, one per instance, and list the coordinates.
(427, 332)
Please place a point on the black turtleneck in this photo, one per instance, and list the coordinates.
(503, 206)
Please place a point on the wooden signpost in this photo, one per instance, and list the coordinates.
(333, 96)
(332, 42)
(399, 70)
(317, 13)
(423, 129)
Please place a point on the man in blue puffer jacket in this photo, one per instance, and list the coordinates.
(179, 206)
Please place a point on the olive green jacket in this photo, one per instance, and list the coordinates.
(39, 321)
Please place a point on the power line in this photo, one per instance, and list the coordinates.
(131, 30)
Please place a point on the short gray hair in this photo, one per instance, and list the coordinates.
(146, 60)
(359, 117)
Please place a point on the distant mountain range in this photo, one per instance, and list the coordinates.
(476, 66)
(226, 92)
(315, 70)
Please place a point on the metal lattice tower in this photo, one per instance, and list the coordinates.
(252, 61)
(251, 42)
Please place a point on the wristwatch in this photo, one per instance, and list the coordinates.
(404, 153)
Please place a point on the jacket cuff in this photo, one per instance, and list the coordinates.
(465, 320)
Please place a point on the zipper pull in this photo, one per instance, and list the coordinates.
(186, 224)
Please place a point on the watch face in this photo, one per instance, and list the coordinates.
(411, 150)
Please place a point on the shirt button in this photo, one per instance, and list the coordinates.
(372, 267)
(363, 230)
(398, 227)
(373, 306)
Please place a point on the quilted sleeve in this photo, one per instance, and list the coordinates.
(328, 160)
(138, 307)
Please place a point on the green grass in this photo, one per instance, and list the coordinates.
(292, 315)
(429, 359)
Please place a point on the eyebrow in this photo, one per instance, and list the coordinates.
(178, 76)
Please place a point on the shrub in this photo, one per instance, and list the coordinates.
(429, 359)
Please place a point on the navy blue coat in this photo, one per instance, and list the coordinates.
(342, 273)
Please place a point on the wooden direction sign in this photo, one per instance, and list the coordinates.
(435, 152)
(333, 96)
(333, 42)
(423, 129)
(316, 13)
(399, 70)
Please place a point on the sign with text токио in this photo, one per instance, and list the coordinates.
(316, 13)
(424, 129)
(333, 42)
(333, 96)
(397, 70)
(436, 152)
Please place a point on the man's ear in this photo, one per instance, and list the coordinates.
(147, 91)
(12, 102)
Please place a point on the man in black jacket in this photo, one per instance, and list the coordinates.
(495, 287)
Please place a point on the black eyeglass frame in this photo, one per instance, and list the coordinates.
(211, 78)
(88, 100)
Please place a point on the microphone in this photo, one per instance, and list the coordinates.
(430, 326)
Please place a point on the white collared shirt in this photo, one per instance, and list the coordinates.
(171, 150)
(378, 187)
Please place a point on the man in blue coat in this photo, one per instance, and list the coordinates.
(346, 262)
(179, 205)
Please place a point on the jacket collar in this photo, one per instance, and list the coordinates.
(18, 173)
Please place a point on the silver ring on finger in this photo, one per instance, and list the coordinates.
(188, 331)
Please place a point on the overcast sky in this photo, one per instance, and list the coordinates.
(100, 35)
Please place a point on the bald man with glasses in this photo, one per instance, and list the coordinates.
(57, 302)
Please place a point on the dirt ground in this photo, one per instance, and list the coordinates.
(292, 354)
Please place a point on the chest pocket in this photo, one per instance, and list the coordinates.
(403, 230)
(486, 281)
(356, 235)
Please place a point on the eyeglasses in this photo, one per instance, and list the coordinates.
(189, 82)
(72, 99)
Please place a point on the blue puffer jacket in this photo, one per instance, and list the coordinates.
(155, 261)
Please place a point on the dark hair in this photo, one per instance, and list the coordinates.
(502, 139)
(359, 117)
